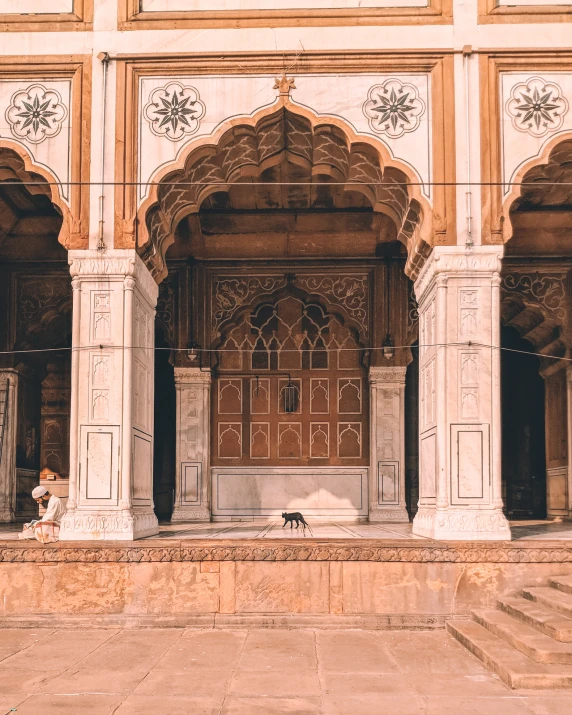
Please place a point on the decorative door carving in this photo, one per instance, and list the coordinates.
(290, 388)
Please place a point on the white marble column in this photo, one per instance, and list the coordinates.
(8, 428)
(192, 500)
(460, 496)
(569, 445)
(387, 475)
(111, 414)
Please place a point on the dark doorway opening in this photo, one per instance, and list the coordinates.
(412, 433)
(523, 433)
(164, 453)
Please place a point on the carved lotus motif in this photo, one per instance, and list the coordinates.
(394, 108)
(36, 113)
(537, 107)
(174, 111)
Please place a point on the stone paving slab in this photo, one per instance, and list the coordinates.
(253, 672)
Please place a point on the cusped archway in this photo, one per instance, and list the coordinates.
(284, 158)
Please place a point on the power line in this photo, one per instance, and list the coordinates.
(469, 344)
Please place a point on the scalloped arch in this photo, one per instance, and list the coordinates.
(542, 159)
(330, 146)
(53, 191)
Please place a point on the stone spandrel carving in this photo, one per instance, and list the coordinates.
(537, 107)
(394, 108)
(547, 290)
(350, 291)
(42, 300)
(36, 113)
(174, 111)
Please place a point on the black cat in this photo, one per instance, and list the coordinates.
(294, 517)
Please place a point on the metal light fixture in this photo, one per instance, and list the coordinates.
(193, 351)
(290, 396)
(388, 349)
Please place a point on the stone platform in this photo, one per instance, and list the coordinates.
(197, 576)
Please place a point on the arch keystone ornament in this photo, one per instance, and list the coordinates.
(36, 113)
(394, 108)
(174, 111)
(537, 107)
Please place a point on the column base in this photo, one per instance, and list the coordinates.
(462, 524)
(191, 513)
(7, 516)
(390, 515)
(107, 525)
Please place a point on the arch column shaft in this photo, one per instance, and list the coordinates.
(459, 395)
(8, 437)
(192, 492)
(387, 477)
(111, 440)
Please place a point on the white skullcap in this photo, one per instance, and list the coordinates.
(39, 492)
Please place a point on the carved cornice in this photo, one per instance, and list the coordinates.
(451, 261)
(114, 263)
(188, 375)
(306, 550)
(381, 376)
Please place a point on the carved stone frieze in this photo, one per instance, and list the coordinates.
(115, 263)
(197, 551)
(546, 290)
(412, 315)
(380, 376)
(453, 260)
(185, 375)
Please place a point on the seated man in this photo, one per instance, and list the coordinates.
(47, 529)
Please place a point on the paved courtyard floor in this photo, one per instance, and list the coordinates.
(265, 529)
(256, 672)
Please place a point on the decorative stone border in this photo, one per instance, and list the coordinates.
(198, 551)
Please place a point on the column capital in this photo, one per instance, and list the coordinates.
(192, 375)
(114, 264)
(387, 376)
(445, 261)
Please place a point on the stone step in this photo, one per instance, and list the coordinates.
(543, 619)
(562, 583)
(551, 598)
(512, 666)
(538, 646)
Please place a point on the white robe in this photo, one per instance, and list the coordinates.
(48, 528)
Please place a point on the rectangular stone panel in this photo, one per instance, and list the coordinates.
(388, 482)
(44, 7)
(198, 5)
(191, 479)
(98, 470)
(335, 491)
(298, 587)
(428, 472)
(470, 463)
(142, 468)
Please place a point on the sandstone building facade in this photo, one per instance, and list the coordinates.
(262, 256)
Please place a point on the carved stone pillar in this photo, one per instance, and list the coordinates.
(387, 474)
(8, 436)
(111, 412)
(192, 496)
(459, 395)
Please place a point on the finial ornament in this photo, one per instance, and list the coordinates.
(285, 85)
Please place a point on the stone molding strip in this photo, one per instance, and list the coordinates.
(196, 551)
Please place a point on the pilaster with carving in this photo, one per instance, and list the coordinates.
(111, 415)
(387, 480)
(8, 435)
(459, 395)
(192, 502)
(569, 435)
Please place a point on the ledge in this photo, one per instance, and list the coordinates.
(405, 551)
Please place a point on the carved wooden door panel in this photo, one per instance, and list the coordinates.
(290, 389)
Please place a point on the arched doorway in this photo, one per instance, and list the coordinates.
(536, 299)
(523, 429)
(35, 334)
(288, 230)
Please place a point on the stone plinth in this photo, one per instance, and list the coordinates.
(112, 395)
(403, 583)
(460, 496)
